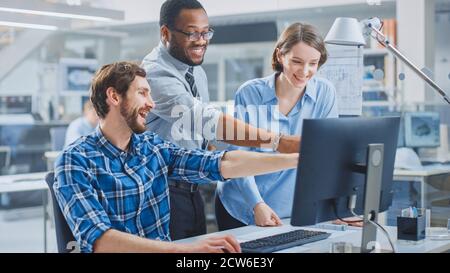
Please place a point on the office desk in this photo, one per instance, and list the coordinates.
(429, 179)
(23, 182)
(351, 235)
(27, 182)
(50, 157)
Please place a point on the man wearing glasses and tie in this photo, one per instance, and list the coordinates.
(183, 116)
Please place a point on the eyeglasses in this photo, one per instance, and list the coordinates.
(195, 36)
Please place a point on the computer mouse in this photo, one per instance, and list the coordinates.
(406, 158)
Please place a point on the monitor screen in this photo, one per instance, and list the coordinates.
(25, 135)
(422, 129)
(401, 131)
(15, 104)
(326, 176)
(76, 75)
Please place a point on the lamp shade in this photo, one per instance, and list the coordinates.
(345, 31)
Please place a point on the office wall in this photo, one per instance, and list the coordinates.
(137, 11)
(35, 73)
(442, 61)
(23, 80)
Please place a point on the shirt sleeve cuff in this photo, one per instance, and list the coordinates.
(253, 200)
(95, 233)
(217, 166)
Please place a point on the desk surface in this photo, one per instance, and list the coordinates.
(23, 182)
(52, 154)
(421, 173)
(351, 235)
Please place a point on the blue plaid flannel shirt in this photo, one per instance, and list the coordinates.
(99, 187)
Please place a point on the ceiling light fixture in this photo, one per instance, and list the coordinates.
(39, 7)
(24, 25)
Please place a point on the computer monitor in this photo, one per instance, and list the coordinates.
(25, 135)
(76, 75)
(332, 167)
(422, 129)
(401, 132)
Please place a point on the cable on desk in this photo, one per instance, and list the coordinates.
(345, 221)
(380, 227)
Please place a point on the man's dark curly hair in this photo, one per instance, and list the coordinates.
(172, 8)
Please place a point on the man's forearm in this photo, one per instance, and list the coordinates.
(242, 163)
(117, 241)
(237, 132)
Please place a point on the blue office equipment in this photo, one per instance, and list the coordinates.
(422, 129)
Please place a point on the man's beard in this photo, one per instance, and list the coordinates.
(131, 118)
(176, 51)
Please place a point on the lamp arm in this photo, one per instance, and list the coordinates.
(385, 42)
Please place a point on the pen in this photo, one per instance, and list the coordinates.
(414, 210)
(411, 212)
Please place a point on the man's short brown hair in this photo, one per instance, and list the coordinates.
(118, 75)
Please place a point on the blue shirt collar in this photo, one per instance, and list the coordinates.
(269, 96)
(179, 65)
(310, 92)
(112, 151)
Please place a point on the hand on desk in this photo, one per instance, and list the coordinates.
(265, 216)
(211, 147)
(216, 244)
(351, 221)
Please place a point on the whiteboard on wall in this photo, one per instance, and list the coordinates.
(344, 68)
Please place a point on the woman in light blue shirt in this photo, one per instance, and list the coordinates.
(278, 103)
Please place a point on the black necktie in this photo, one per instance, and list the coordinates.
(190, 79)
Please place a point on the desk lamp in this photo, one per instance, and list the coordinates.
(347, 31)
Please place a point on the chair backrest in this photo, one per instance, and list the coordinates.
(64, 237)
(58, 137)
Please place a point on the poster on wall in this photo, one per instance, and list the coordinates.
(344, 68)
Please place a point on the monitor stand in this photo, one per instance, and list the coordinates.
(373, 170)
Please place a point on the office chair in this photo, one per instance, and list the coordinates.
(58, 137)
(64, 237)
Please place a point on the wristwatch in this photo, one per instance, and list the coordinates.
(276, 142)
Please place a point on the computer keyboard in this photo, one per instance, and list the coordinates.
(283, 240)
